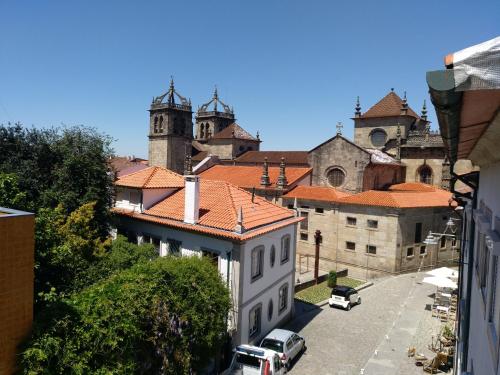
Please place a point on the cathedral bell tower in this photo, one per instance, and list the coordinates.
(170, 130)
(210, 121)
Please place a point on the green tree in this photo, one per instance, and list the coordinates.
(10, 195)
(165, 316)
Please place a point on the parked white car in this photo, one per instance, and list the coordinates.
(286, 343)
(344, 296)
(252, 360)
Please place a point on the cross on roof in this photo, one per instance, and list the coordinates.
(339, 128)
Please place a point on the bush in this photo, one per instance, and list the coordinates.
(332, 279)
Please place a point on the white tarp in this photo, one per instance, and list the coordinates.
(478, 67)
(440, 282)
(444, 272)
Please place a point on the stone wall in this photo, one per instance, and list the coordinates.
(341, 153)
(412, 166)
(16, 285)
(168, 152)
(380, 176)
(364, 126)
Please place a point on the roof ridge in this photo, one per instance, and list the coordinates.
(155, 169)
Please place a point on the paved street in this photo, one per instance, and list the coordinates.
(370, 339)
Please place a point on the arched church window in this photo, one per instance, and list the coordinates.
(155, 125)
(161, 124)
(425, 174)
(378, 137)
(336, 177)
(202, 130)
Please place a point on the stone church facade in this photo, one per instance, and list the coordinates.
(392, 144)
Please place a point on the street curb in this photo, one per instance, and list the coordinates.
(358, 288)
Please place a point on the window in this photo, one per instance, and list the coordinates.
(304, 236)
(304, 225)
(483, 270)
(272, 255)
(336, 177)
(285, 248)
(270, 309)
(418, 232)
(254, 320)
(350, 246)
(283, 298)
(290, 206)
(305, 207)
(134, 197)
(425, 174)
(378, 137)
(370, 249)
(161, 124)
(454, 243)
(319, 210)
(372, 224)
(351, 221)
(493, 291)
(257, 262)
(423, 249)
(212, 256)
(410, 252)
(174, 247)
(442, 242)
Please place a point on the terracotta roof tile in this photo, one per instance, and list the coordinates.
(249, 176)
(316, 193)
(388, 106)
(151, 178)
(401, 198)
(412, 186)
(274, 157)
(219, 206)
(239, 133)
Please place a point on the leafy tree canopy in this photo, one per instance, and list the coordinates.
(165, 316)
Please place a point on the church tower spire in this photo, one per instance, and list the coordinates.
(423, 116)
(404, 105)
(211, 119)
(170, 130)
(357, 112)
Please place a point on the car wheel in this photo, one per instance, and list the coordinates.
(304, 347)
(348, 307)
(359, 301)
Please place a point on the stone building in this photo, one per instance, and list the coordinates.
(374, 232)
(171, 131)
(392, 144)
(17, 243)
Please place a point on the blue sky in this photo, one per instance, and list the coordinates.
(291, 69)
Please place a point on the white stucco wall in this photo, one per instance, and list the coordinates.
(484, 345)
(266, 288)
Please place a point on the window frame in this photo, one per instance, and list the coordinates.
(284, 239)
(372, 224)
(351, 218)
(334, 179)
(304, 224)
(283, 292)
(347, 246)
(418, 232)
(260, 251)
(173, 241)
(412, 252)
(368, 250)
(255, 332)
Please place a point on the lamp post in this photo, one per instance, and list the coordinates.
(433, 237)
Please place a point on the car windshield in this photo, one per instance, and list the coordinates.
(275, 345)
(339, 292)
(247, 360)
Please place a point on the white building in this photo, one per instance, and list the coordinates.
(250, 240)
(467, 101)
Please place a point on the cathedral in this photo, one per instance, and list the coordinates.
(392, 144)
(171, 135)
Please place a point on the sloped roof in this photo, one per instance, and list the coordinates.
(219, 206)
(249, 176)
(239, 133)
(273, 157)
(151, 178)
(200, 156)
(412, 186)
(388, 106)
(316, 193)
(401, 198)
(380, 157)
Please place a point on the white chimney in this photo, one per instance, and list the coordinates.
(191, 199)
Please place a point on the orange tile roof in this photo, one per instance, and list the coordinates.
(412, 186)
(249, 176)
(388, 106)
(316, 193)
(152, 178)
(401, 198)
(273, 157)
(219, 206)
(238, 131)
